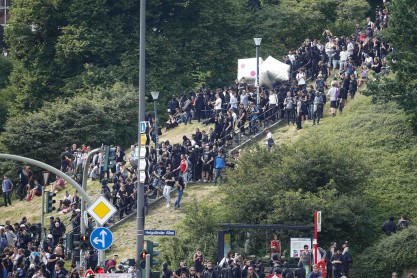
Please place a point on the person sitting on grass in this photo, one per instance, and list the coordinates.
(36, 191)
(58, 184)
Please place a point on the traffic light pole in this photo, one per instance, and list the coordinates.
(54, 170)
(43, 217)
(83, 206)
(148, 266)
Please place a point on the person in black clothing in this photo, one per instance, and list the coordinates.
(173, 104)
(229, 270)
(182, 269)
(300, 272)
(389, 227)
(210, 272)
(353, 87)
(286, 271)
(92, 260)
(329, 254)
(237, 270)
(337, 264)
(347, 260)
(166, 273)
(199, 106)
(122, 196)
(259, 272)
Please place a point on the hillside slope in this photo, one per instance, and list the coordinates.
(358, 168)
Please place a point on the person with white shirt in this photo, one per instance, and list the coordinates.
(344, 56)
(273, 105)
(269, 141)
(217, 104)
(301, 79)
(233, 101)
(333, 94)
(350, 47)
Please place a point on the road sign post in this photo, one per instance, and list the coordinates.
(101, 238)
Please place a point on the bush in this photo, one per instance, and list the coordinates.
(106, 116)
(389, 254)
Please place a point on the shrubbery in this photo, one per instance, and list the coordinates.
(358, 169)
(101, 116)
(389, 254)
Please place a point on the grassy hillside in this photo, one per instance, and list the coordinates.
(357, 168)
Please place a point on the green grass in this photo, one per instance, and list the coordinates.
(159, 218)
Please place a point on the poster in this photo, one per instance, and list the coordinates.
(227, 242)
(297, 245)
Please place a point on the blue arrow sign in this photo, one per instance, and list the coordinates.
(142, 127)
(160, 232)
(101, 238)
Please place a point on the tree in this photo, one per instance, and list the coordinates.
(402, 85)
(92, 118)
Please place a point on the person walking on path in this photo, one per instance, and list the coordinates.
(219, 164)
(7, 187)
(269, 141)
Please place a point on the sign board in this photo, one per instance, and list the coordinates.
(142, 164)
(142, 127)
(143, 151)
(113, 275)
(319, 221)
(297, 245)
(101, 238)
(160, 232)
(101, 210)
(143, 139)
(142, 176)
(45, 175)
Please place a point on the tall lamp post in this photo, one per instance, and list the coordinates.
(140, 194)
(155, 105)
(257, 44)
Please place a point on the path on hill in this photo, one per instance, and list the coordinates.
(159, 217)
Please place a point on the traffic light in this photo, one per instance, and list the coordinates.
(150, 249)
(84, 242)
(110, 156)
(142, 262)
(50, 201)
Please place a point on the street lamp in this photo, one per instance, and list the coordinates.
(257, 44)
(155, 101)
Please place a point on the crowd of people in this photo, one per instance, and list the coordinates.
(23, 254)
(322, 70)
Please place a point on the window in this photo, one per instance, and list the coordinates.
(4, 11)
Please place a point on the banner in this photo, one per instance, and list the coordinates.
(297, 245)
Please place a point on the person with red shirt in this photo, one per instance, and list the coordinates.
(276, 246)
(183, 169)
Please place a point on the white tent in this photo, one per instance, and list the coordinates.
(270, 71)
(273, 71)
(247, 68)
